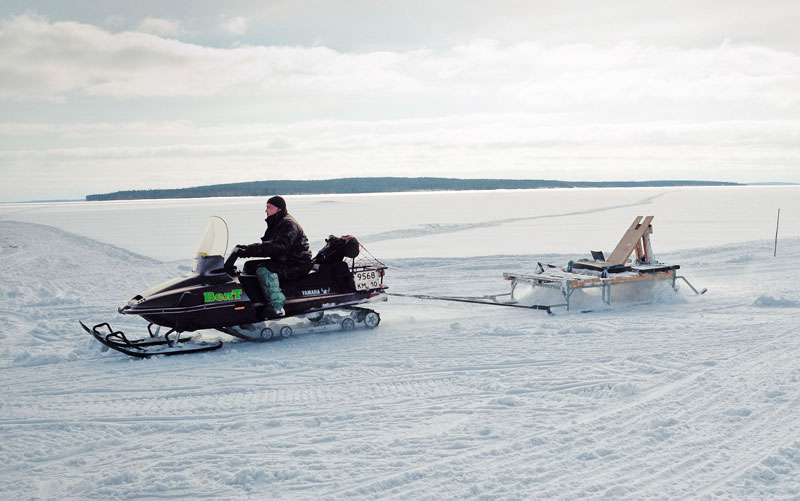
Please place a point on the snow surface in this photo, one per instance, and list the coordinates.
(682, 397)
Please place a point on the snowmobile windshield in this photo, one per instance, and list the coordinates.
(215, 238)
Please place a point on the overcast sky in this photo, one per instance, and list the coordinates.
(99, 96)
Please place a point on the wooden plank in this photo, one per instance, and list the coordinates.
(576, 283)
(662, 275)
(647, 248)
(639, 251)
(629, 240)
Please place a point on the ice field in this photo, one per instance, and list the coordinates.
(664, 395)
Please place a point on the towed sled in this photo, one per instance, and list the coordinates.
(215, 295)
(581, 275)
(606, 273)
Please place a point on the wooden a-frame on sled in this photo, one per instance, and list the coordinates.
(605, 273)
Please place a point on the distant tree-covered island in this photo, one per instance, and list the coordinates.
(376, 185)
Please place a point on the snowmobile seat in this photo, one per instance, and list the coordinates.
(334, 276)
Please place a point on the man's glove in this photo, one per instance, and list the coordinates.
(247, 250)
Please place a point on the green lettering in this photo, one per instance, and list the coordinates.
(235, 294)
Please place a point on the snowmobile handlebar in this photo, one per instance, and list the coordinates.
(229, 263)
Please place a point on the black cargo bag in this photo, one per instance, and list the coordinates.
(337, 248)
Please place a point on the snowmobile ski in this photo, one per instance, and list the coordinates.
(148, 347)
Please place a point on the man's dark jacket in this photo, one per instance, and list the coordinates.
(286, 244)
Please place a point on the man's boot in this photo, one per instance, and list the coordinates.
(272, 290)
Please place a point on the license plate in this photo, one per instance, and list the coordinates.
(368, 279)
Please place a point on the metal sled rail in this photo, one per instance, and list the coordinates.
(485, 300)
(568, 282)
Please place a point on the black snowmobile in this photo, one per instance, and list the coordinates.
(215, 295)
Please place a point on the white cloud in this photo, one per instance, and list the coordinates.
(571, 111)
(161, 27)
(53, 60)
(235, 25)
(114, 21)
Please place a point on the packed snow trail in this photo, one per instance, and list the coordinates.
(686, 397)
(435, 229)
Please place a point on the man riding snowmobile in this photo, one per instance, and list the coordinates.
(285, 245)
(214, 295)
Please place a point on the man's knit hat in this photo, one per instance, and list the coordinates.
(278, 202)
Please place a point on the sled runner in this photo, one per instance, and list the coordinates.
(215, 295)
(605, 273)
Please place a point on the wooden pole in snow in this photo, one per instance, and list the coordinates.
(777, 224)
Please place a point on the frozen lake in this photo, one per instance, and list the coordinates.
(442, 224)
(663, 395)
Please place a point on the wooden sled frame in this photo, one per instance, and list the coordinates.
(568, 282)
(605, 273)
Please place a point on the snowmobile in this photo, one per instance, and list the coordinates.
(215, 295)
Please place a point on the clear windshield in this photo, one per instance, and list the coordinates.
(215, 238)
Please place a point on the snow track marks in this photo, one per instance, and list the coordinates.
(686, 399)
